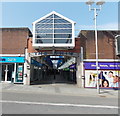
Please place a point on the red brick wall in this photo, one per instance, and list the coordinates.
(14, 40)
(106, 45)
(75, 49)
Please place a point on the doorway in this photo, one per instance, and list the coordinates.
(7, 72)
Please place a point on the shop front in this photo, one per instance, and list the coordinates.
(12, 69)
(109, 74)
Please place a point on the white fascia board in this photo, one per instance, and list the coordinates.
(73, 34)
(33, 34)
(12, 55)
(102, 60)
(53, 12)
(51, 45)
(42, 45)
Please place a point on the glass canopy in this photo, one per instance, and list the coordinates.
(53, 29)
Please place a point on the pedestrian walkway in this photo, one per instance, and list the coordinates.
(51, 79)
(63, 89)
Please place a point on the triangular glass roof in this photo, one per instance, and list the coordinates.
(56, 16)
(56, 19)
(51, 16)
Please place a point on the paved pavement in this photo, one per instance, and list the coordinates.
(62, 89)
(57, 99)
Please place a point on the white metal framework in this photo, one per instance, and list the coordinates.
(53, 30)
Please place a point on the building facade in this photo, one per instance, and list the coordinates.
(25, 56)
(108, 58)
(12, 56)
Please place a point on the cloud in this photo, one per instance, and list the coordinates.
(109, 26)
(55, 0)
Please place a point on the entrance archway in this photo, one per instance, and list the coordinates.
(31, 52)
(48, 69)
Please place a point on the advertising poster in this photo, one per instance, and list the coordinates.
(19, 77)
(107, 78)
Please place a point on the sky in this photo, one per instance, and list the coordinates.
(22, 14)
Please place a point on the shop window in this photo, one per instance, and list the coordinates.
(19, 73)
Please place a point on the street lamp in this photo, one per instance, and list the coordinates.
(100, 3)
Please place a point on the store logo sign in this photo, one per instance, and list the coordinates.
(12, 59)
(2, 59)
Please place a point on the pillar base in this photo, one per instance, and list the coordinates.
(79, 83)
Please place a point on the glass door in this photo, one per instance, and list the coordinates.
(3, 72)
(7, 71)
(10, 72)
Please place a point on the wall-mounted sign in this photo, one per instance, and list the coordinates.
(55, 53)
(12, 59)
(103, 65)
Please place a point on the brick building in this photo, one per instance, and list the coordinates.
(26, 55)
(108, 56)
(14, 42)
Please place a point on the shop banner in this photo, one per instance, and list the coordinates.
(34, 62)
(73, 66)
(103, 65)
(12, 59)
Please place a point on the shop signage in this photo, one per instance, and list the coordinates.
(55, 53)
(12, 59)
(34, 62)
(66, 69)
(103, 65)
(73, 66)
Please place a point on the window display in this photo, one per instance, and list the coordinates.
(107, 78)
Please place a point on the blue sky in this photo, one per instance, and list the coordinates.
(22, 14)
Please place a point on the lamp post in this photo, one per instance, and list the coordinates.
(100, 3)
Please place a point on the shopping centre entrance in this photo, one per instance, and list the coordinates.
(53, 69)
(44, 67)
(53, 53)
